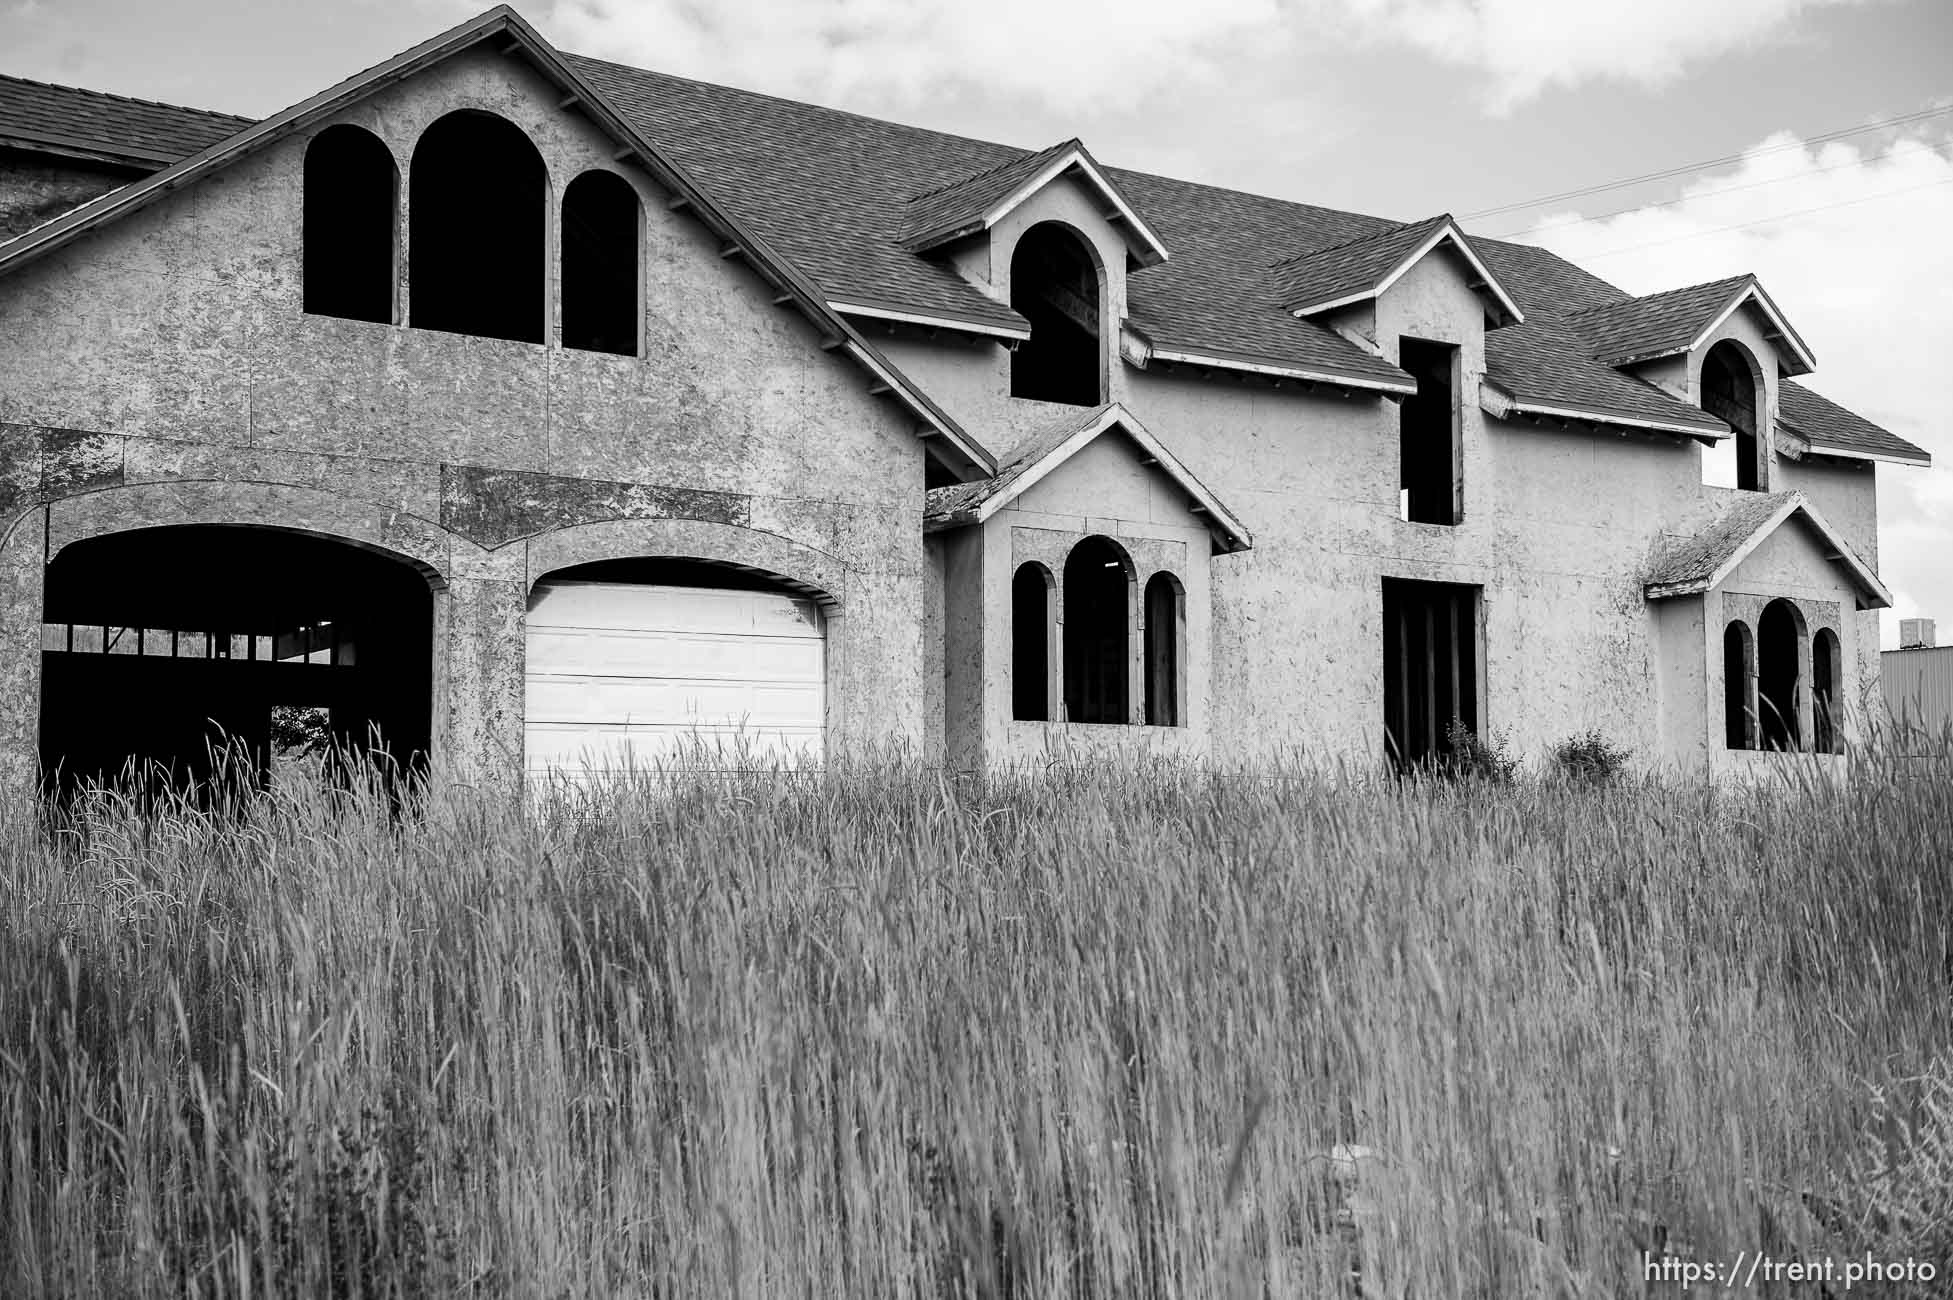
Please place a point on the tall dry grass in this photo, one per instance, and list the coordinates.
(1088, 1033)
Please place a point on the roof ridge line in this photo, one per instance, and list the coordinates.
(1397, 229)
(130, 99)
(1732, 280)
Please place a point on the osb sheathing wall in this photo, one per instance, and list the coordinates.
(161, 371)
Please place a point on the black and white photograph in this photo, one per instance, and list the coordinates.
(903, 649)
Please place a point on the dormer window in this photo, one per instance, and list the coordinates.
(1055, 285)
(1732, 391)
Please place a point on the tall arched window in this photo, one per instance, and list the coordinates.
(1827, 680)
(1732, 391)
(352, 195)
(1738, 663)
(1098, 631)
(477, 205)
(1054, 284)
(600, 264)
(1031, 632)
(1779, 648)
(1165, 603)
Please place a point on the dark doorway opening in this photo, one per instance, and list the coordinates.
(1779, 636)
(1430, 668)
(166, 647)
(476, 208)
(1827, 669)
(1730, 393)
(1030, 633)
(1054, 284)
(1098, 632)
(1736, 673)
(1165, 603)
(351, 205)
(1429, 451)
(600, 264)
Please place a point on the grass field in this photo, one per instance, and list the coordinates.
(1096, 1033)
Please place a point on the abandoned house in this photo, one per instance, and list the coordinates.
(519, 409)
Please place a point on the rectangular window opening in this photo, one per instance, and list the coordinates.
(1431, 469)
(1430, 668)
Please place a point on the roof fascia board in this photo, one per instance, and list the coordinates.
(1753, 292)
(1921, 461)
(1333, 379)
(1221, 521)
(961, 325)
(1625, 421)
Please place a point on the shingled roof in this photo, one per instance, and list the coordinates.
(1828, 429)
(961, 208)
(1365, 266)
(840, 197)
(138, 133)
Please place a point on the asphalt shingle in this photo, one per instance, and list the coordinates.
(1656, 323)
(136, 131)
(1822, 422)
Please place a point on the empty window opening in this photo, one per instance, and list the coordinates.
(1431, 485)
(1054, 284)
(601, 215)
(1032, 630)
(1733, 393)
(1827, 681)
(477, 205)
(1098, 632)
(352, 200)
(164, 647)
(1430, 668)
(1738, 681)
(1165, 607)
(1779, 647)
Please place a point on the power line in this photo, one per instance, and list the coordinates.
(1671, 172)
(1686, 198)
(1764, 221)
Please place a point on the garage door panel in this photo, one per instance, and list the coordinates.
(621, 674)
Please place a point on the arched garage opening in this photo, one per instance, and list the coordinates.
(161, 646)
(638, 662)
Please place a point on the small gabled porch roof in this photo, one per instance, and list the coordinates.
(1364, 268)
(1036, 457)
(1703, 561)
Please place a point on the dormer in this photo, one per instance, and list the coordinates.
(1723, 346)
(1050, 235)
(1358, 287)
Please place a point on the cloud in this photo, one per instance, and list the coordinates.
(1859, 266)
(1078, 56)
(1525, 47)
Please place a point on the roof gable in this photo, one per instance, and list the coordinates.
(1680, 320)
(1702, 562)
(947, 440)
(1532, 371)
(975, 203)
(1366, 267)
(1034, 459)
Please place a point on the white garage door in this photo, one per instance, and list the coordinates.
(625, 673)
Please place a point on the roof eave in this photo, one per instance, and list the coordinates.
(1281, 370)
(1519, 406)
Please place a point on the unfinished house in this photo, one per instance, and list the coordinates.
(522, 411)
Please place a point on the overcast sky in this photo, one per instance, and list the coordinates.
(1398, 107)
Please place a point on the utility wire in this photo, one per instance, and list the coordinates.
(1671, 172)
(1764, 221)
(1687, 198)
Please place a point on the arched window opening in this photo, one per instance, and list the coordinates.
(1826, 691)
(1779, 643)
(1098, 623)
(177, 648)
(1736, 672)
(1031, 629)
(1733, 393)
(1054, 284)
(600, 264)
(352, 195)
(477, 207)
(1165, 606)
